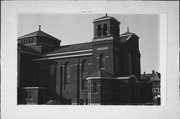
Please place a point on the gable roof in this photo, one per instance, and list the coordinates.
(154, 78)
(38, 33)
(126, 36)
(28, 50)
(100, 74)
(150, 77)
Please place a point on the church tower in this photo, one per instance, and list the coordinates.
(106, 31)
(106, 27)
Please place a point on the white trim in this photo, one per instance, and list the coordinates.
(106, 18)
(60, 57)
(94, 103)
(30, 53)
(125, 35)
(120, 78)
(126, 77)
(79, 51)
(100, 19)
(102, 38)
(33, 87)
(100, 78)
(29, 44)
(102, 48)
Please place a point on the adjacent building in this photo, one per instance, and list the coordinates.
(152, 80)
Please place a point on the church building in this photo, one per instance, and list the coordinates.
(104, 71)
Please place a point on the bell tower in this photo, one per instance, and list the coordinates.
(106, 27)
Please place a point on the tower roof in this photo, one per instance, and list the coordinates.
(38, 33)
(106, 17)
(127, 35)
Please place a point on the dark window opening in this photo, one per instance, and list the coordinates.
(52, 71)
(66, 75)
(26, 41)
(89, 87)
(34, 39)
(99, 30)
(117, 64)
(84, 75)
(29, 40)
(105, 29)
(95, 87)
(130, 63)
(102, 61)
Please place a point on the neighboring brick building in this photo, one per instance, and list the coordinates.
(103, 71)
(152, 89)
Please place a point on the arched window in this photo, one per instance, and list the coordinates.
(99, 30)
(84, 74)
(130, 62)
(102, 61)
(105, 29)
(67, 74)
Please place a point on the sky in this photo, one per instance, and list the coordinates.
(78, 28)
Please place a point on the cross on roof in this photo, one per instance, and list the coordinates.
(39, 27)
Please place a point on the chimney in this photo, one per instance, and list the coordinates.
(144, 72)
(127, 29)
(153, 72)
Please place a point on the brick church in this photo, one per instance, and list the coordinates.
(104, 71)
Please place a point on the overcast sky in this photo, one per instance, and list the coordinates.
(78, 28)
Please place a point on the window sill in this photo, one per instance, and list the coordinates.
(95, 93)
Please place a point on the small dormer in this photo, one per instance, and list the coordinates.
(105, 27)
(39, 41)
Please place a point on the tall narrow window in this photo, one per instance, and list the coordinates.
(89, 87)
(99, 30)
(34, 40)
(52, 69)
(117, 64)
(130, 62)
(26, 41)
(29, 40)
(29, 95)
(84, 74)
(102, 61)
(105, 29)
(66, 75)
(95, 87)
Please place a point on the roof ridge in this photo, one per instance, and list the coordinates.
(38, 33)
(106, 17)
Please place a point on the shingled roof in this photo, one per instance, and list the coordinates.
(73, 47)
